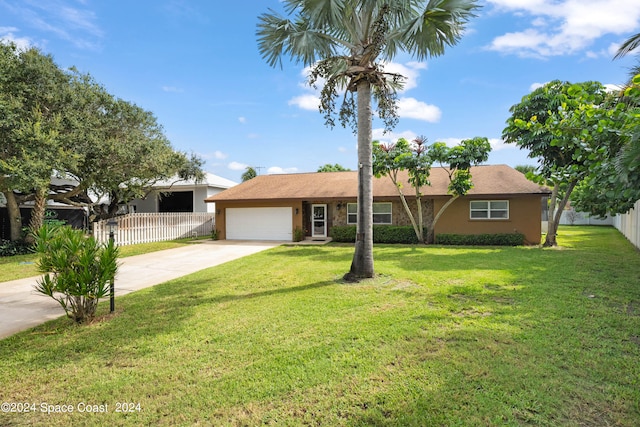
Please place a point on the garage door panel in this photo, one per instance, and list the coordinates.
(259, 223)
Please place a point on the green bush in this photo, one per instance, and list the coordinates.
(381, 234)
(503, 239)
(19, 247)
(298, 234)
(78, 269)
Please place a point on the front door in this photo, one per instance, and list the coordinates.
(318, 221)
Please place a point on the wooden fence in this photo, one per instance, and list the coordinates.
(156, 227)
(629, 224)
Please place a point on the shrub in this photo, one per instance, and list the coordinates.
(18, 247)
(298, 235)
(78, 269)
(503, 239)
(381, 234)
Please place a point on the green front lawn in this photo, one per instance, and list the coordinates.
(442, 336)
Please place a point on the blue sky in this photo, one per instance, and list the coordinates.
(196, 66)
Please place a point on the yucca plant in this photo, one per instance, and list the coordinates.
(78, 269)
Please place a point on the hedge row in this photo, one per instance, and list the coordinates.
(381, 234)
(9, 248)
(405, 234)
(505, 239)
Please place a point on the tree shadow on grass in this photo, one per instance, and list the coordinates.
(159, 310)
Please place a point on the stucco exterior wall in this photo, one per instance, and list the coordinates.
(524, 217)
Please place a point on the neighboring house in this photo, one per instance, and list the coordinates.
(270, 207)
(181, 196)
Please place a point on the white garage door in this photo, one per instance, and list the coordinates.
(259, 224)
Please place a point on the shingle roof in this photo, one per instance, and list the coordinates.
(488, 180)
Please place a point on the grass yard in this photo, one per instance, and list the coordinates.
(443, 336)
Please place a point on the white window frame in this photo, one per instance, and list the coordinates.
(491, 212)
(352, 213)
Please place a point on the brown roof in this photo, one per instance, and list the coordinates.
(487, 180)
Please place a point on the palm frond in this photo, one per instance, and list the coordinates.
(278, 36)
(629, 45)
(429, 32)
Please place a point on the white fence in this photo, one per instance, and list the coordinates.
(629, 224)
(572, 217)
(156, 227)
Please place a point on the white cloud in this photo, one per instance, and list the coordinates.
(613, 49)
(172, 89)
(76, 25)
(236, 166)
(564, 27)
(410, 70)
(242, 119)
(219, 155)
(342, 149)
(498, 144)
(411, 108)
(306, 102)
(7, 35)
(274, 170)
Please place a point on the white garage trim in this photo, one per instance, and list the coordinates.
(259, 223)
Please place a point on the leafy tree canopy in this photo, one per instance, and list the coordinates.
(570, 129)
(61, 122)
(332, 168)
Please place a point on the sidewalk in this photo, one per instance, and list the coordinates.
(22, 308)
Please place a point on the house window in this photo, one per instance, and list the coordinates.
(381, 213)
(489, 209)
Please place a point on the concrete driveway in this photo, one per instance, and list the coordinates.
(21, 307)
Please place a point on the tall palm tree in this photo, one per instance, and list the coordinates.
(346, 43)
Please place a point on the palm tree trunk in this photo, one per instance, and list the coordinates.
(37, 213)
(362, 264)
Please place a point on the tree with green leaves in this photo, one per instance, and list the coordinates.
(457, 162)
(552, 122)
(33, 99)
(613, 184)
(62, 123)
(333, 168)
(249, 173)
(526, 169)
(346, 44)
(417, 159)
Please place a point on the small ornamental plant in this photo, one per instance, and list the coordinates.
(78, 270)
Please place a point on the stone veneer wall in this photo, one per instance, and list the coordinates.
(398, 214)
